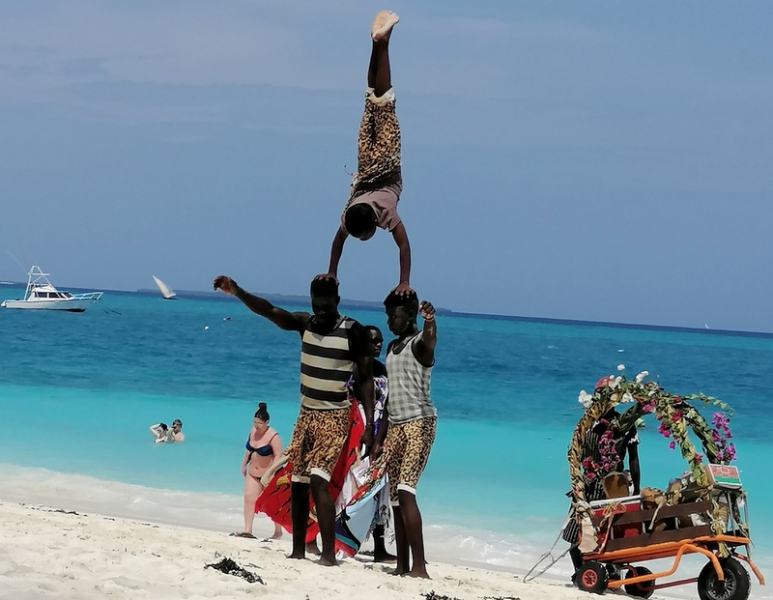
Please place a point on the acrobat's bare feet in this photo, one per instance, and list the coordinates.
(421, 574)
(328, 562)
(383, 24)
(297, 555)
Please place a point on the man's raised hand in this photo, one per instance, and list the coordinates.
(427, 311)
(225, 284)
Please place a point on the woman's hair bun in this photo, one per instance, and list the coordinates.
(262, 405)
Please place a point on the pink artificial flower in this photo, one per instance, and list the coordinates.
(672, 445)
(730, 452)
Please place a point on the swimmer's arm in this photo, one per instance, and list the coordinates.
(158, 433)
(401, 239)
(336, 250)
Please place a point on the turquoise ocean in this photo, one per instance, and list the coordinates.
(79, 391)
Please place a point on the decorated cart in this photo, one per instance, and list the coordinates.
(703, 511)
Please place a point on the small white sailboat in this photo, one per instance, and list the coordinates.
(42, 295)
(166, 291)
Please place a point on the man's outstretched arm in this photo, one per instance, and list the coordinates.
(401, 239)
(260, 306)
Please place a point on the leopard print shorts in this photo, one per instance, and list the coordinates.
(318, 438)
(378, 143)
(407, 448)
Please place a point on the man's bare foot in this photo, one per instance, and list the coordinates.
(398, 572)
(277, 535)
(327, 562)
(382, 25)
(420, 573)
(297, 555)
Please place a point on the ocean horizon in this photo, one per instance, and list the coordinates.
(374, 305)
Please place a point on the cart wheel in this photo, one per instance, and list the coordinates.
(639, 590)
(736, 585)
(592, 576)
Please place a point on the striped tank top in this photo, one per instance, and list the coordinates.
(326, 365)
(408, 386)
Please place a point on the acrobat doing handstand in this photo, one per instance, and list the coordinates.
(378, 183)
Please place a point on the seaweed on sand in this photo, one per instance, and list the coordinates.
(432, 595)
(229, 567)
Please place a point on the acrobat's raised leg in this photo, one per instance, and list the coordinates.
(379, 71)
(378, 141)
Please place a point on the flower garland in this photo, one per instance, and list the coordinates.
(676, 416)
(610, 457)
(721, 434)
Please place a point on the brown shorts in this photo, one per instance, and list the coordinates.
(407, 448)
(318, 438)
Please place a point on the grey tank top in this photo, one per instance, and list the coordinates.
(409, 397)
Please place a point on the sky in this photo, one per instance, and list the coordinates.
(595, 160)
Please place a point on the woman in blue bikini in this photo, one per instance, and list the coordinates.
(263, 446)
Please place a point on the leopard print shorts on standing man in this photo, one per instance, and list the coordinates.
(318, 438)
(407, 447)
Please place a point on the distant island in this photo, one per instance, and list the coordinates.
(280, 299)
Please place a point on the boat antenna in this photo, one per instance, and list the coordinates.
(16, 260)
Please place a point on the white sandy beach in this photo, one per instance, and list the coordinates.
(50, 553)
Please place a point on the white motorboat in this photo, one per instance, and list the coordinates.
(166, 291)
(42, 295)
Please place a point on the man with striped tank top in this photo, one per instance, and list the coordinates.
(332, 345)
(411, 420)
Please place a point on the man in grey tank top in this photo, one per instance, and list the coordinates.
(411, 420)
(331, 346)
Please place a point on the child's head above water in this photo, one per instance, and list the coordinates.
(360, 221)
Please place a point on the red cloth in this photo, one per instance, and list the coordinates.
(275, 499)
